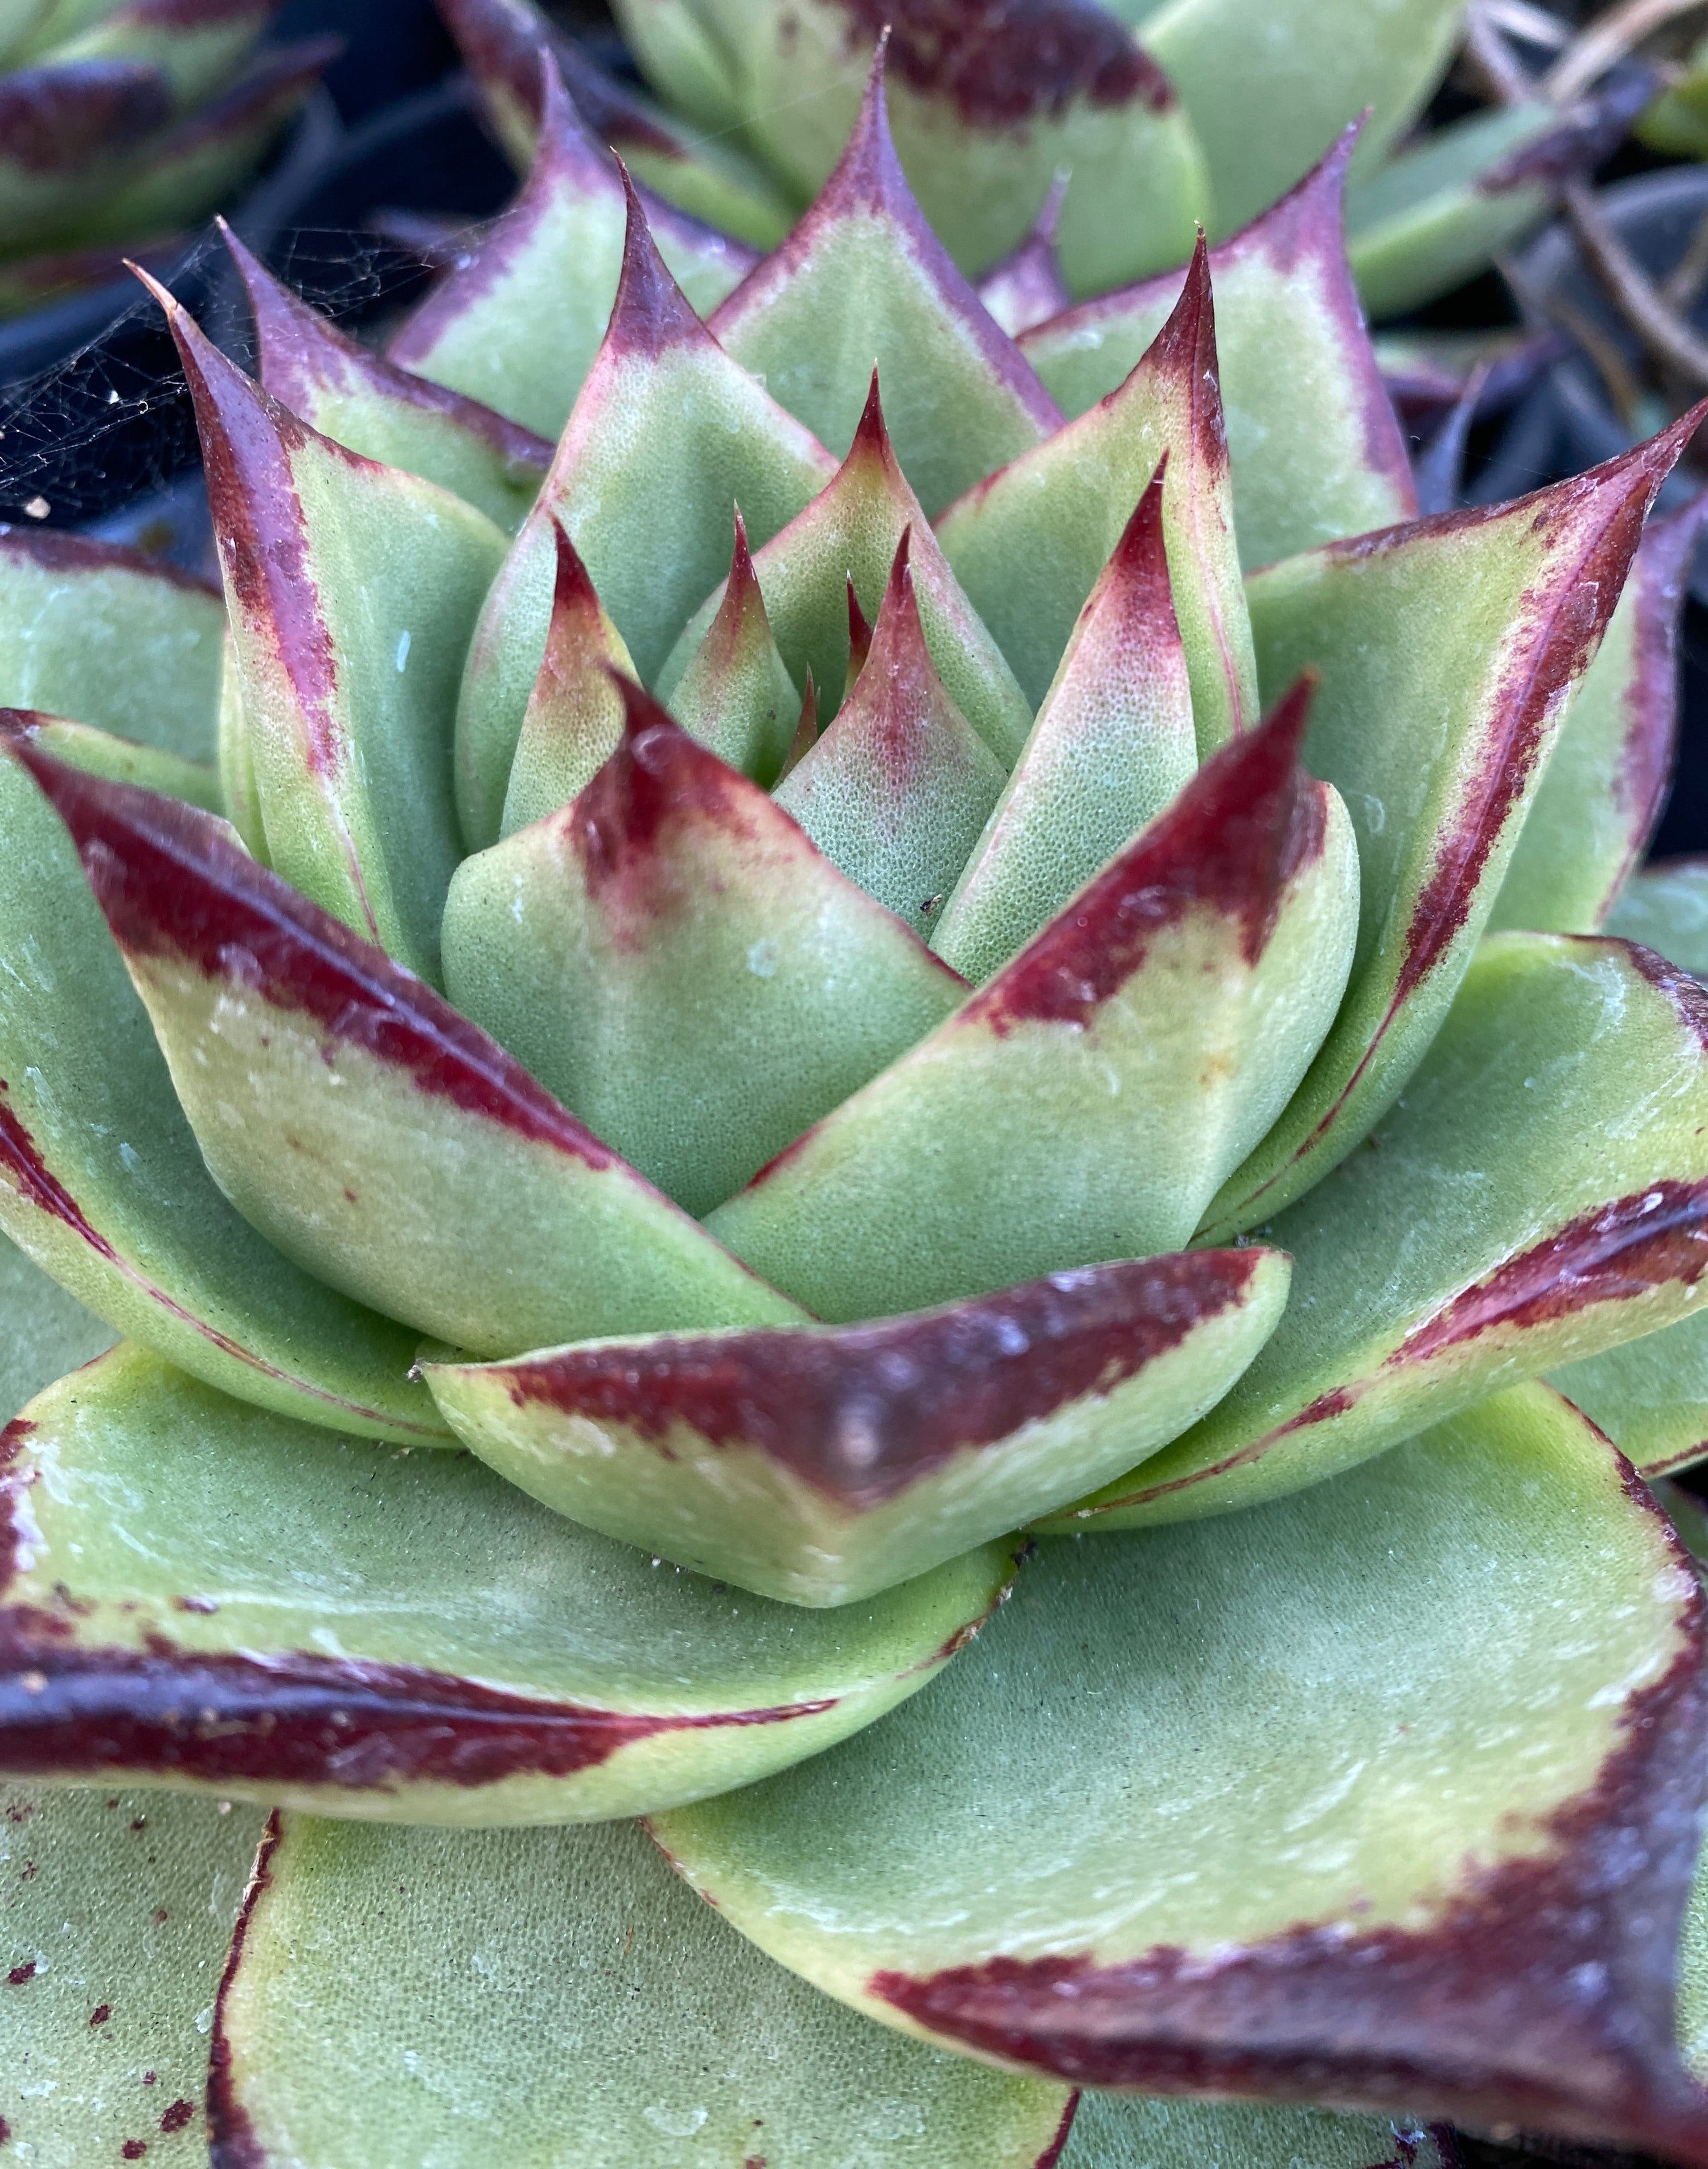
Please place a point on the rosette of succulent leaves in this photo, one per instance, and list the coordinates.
(886, 1114)
(123, 124)
(1062, 147)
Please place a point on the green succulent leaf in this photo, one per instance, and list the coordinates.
(672, 958)
(678, 45)
(119, 1908)
(847, 537)
(863, 282)
(1677, 120)
(1029, 544)
(517, 325)
(109, 638)
(399, 1637)
(197, 49)
(60, 129)
(196, 165)
(690, 2050)
(574, 715)
(820, 1464)
(1251, 1806)
(103, 1183)
(987, 111)
(505, 43)
(667, 437)
(1650, 1396)
(415, 1144)
(897, 789)
(1665, 907)
(1113, 744)
(122, 760)
(1082, 1104)
(353, 590)
(1124, 2131)
(1268, 87)
(1314, 447)
(373, 406)
(1436, 214)
(736, 695)
(47, 1333)
(1539, 1193)
(1448, 648)
(1601, 793)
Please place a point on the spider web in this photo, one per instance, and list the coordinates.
(110, 426)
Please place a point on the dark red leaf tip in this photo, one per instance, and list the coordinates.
(859, 633)
(742, 577)
(651, 311)
(871, 436)
(574, 599)
(1231, 843)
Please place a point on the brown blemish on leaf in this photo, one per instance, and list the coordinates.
(861, 1412)
(101, 2013)
(178, 2116)
(21, 1973)
(1541, 1993)
(1001, 67)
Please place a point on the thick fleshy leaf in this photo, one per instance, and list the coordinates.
(1314, 449)
(109, 638)
(428, 1173)
(103, 1184)
(847, 537)
(504, 43)
(987, 108)
(1113, 744)
(667, 437)
(1601, 795)
(393, 1636)
(1029, 544)
(1267, 87)
(122, 760)
(1027, 287)
(237, 766)
(1125, 2131)
(1081, 1106)
(1650, 1396)
(60, 128)
(118, 1910)
(690, 2051)
(194, 167)
(820, 1464)
(672, 958)
(518, 324)
(1448, 649)
(736, 695)
(863, 283)
(353, 590)
(196, 45)
(1538, 1194)
(682, 54)
(1665, 906)
(44, 1332)
(1439, 213)
(1360, 1798)
(574, 714)
(897, 790)
(353, 395)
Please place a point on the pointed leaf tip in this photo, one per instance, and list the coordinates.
(859, 634)
(805, 730)
(572, 588)
(651, 311)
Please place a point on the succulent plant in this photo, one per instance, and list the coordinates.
(123, 121)
(838, 968)
(1083, 140)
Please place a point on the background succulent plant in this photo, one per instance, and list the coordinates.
(1076, 1002)
(1155, 118)
(123, 121)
